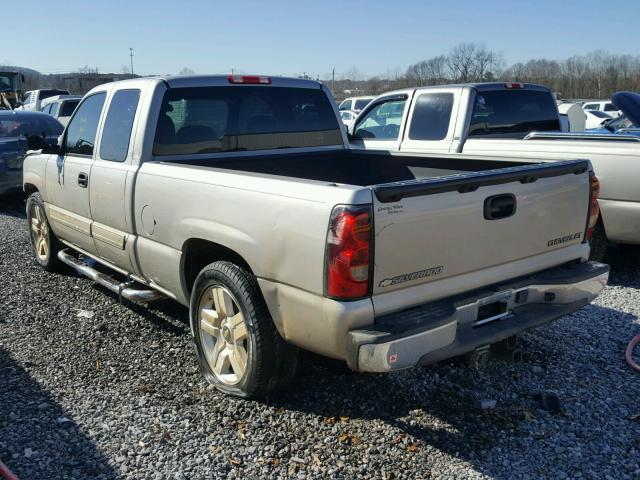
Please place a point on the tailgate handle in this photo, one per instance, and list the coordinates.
(499, 206)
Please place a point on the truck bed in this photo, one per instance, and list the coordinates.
(361, 168)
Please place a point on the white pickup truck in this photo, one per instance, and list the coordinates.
(497, 119)
(239, 198)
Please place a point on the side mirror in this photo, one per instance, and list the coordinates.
(36, 142)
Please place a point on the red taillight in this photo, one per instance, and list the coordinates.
(594, 208)
(348, 255)
(249, 79)
(514, 85)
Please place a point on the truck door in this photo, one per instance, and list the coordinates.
(112, 169)
(68, 175)
(432, 121)
(379, 126)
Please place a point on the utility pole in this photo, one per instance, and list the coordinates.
(333, 79)
(131, 55)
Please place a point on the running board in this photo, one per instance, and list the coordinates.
(123, 290)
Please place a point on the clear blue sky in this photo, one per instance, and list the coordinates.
(289, 37)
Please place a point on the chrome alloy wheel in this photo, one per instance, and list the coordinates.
(39, 233)
(223, 333)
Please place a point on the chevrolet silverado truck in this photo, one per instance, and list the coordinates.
(509, 120)
(239, 198)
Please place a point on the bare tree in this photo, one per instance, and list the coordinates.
(186, 71)
(462, 62)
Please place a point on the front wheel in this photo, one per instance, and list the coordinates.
(44, 242)
(238, 347)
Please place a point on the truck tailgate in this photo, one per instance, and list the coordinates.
(435, 229)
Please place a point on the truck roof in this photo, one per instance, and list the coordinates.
(210, 81)
(480, 86)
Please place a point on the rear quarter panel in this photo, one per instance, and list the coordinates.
(278, 225)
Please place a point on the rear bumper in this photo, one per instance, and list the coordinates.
(450, 327)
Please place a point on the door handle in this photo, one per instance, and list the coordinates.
(83, 179)
(499, 206)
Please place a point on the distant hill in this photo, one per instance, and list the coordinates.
(24, 70)
(78, 82)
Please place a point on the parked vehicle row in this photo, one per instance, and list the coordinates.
(604, 106)
(240, 198)
(497, 119)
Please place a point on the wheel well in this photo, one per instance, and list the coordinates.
(29, 188)
(198, 253)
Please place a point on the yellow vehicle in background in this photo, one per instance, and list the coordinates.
(10, 89)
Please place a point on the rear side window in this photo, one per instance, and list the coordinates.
(81, 132)
(591, 106)
(513, 113)
(68, 107)
(244, 118)
(116, 133)
(360, 104)
(431, 116)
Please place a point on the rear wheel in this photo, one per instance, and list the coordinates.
(44, 242)
(238, 347)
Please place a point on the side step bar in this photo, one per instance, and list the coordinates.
(123, 290)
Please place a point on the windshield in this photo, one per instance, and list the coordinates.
(513, 113)
(19, 126)
(225, 119)
(7, 82)
(50, 93)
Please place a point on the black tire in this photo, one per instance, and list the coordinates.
(49, 259)
(598, 243)
(271, 363)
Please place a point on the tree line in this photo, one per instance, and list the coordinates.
(597, 74)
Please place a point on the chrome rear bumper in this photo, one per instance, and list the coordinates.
(451, 327)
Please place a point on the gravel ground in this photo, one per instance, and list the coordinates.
(118, 395)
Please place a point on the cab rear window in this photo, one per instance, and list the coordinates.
(513, 113)
(244, 118)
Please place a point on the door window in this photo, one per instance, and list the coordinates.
(590, 106)
(382, 122)
(116, 133)
(81, 132)
(431, 116)
(610, 107)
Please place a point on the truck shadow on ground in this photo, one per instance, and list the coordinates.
(625, 265)
(438, 407)
(13, 205)
(36, 436)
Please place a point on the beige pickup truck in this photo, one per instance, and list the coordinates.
(239, 198)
